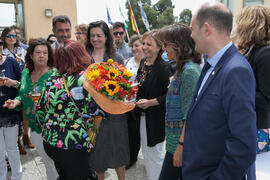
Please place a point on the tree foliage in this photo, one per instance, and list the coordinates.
(162, 5)
(158, 15)
(166, 18)
(185, 17)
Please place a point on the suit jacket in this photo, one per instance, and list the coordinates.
(259, 59)
(220, 138)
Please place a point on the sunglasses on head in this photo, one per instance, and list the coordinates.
(1, 43)
(116, 33)
(11, 35)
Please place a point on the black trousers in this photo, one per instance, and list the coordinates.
(133, 122)
(70, 164)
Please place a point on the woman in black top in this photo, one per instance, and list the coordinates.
(255, 43)
(253, 38)
(153, 79)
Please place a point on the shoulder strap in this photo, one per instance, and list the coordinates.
(65, 84)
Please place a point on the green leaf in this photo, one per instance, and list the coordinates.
(70, 116)
(70, 81)
(80, 81)
(70, 136)
(67, 111)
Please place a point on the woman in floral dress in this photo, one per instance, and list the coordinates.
(68, 110)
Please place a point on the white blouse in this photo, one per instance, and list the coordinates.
(132, 67)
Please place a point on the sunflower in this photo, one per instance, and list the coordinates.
(112, 87)
(94, 74)
(127, 74)
(112, 73)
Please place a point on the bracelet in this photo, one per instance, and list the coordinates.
(181, 143)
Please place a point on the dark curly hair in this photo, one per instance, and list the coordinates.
(178, 35)
(28, 60)
(110, 48)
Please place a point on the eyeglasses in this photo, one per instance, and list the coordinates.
(78, 33)
(116, 33)
(1, 43)
(39, 53)
(11, 35)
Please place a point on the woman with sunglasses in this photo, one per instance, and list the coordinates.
(181, 48)
(12, 46)
(9, 119)
(13, 49)
(112, 149)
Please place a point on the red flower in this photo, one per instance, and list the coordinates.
(103, 72)
(98, 83)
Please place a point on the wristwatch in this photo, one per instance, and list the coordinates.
(17, 85)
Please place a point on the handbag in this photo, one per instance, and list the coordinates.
(92, 132)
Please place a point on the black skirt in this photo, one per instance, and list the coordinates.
(112, 145)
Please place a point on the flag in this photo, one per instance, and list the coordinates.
(124, 21)
(144, 17)
(109, 17)
(122, 15)
(133, 21)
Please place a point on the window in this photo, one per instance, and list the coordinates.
(228, 3)
(252, 2)
(7, 17)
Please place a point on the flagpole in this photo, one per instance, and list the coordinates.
(123, 18)
(127, 34)
(135, 20)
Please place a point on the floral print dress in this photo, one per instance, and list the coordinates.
(63, 125)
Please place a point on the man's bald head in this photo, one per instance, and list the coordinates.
(216, 14)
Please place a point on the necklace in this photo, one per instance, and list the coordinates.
(144, 73)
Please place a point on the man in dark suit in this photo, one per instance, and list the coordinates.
(220, 137)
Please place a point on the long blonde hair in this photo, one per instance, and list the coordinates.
(253, 27)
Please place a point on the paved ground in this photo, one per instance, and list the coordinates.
(34, 169)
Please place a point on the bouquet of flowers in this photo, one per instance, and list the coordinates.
(108, 83)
